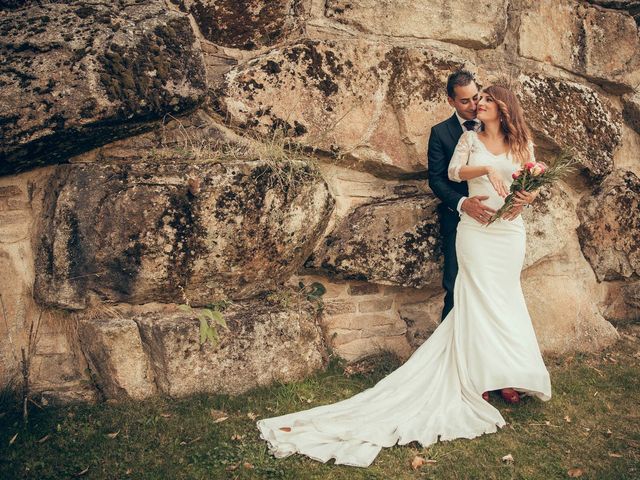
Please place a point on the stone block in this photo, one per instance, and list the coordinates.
(375, 305)
(173, 231)
(77, 76)
(363, 289)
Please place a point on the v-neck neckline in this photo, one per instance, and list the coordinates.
(487, 149)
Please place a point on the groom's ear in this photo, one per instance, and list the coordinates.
(450, 100)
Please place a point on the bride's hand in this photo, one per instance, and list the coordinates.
(497, 182)
(525, 198)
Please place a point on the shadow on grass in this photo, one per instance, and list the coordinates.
(590, 425)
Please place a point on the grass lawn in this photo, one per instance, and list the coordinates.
(590, 429)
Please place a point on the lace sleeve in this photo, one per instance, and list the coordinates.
(460, 156)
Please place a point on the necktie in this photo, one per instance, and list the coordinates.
(469, 124)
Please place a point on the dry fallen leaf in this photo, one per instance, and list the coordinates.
(417, 462)
(221, 419)
(165, 415)
(608, 433)
(232, 467)
(285, 429)
(190, 441)
(247, 465)
(236, 436)
(113, 434)
(13, 439)
(508, 458)
(252, 415)
(575, 472)
(615, 455)
(567, 418)
(81, 473)
(45, 438)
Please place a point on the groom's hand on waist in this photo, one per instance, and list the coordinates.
(477, 210)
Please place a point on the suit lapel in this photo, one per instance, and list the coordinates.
(455, 129)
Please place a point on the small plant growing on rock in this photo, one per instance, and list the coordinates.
(209, 318)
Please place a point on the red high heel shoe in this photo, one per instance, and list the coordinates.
(509, 395)
(485, 396)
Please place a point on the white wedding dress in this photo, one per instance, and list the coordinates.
(485, 343)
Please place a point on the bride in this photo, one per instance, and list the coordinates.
(486, 342)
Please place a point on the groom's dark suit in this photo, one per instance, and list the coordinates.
(442, 142)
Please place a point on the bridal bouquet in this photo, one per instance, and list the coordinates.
(534, 175)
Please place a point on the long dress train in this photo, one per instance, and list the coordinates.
(485, 343)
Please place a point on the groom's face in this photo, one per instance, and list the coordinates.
(465, 100)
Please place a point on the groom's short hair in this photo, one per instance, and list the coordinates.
(459, 78)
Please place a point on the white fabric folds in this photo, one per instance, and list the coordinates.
(486, 343)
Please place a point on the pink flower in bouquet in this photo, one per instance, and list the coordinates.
(534, 175)
(536, 170)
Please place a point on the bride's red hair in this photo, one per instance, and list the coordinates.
(512, 122)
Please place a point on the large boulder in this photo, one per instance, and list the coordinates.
(55, 373)
(622, 305)
(561, 291)
(631, 110)
(579, 38)
(631, 295)
(245, 24)
(170, 232)
(368, 103)
(443, 20)
(156, 349)
(609, 225)
(75, 75)
(561, 294)
(569, 115)
(550, 225)
(116, 357)
(630, 6)
(394, 242)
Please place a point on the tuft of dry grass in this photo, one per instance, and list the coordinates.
(289, 164)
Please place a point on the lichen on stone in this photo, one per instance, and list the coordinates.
(572, 116)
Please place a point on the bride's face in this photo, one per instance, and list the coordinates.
(487, 109)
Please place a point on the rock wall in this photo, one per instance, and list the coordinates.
(208, 152)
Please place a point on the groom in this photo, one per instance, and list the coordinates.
(462, 94)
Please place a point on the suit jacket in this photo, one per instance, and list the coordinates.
(442, 143)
